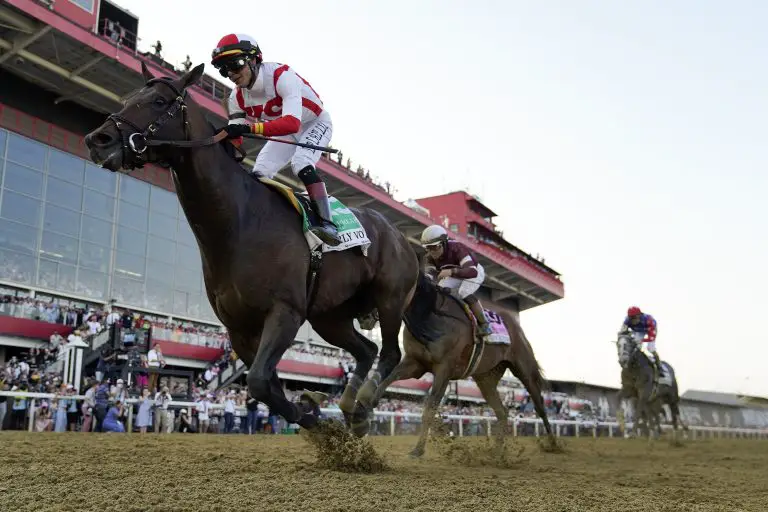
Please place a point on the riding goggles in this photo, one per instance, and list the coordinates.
(231, 66)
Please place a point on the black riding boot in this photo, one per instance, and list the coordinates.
(326, 231)
(483, 329)
(657, 361)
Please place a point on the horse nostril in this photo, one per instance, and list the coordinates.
(99, 139)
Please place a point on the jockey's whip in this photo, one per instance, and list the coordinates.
(300, 144)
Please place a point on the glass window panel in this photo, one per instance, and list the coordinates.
(3, 136)
(194, 308)
(188, 257)
(97, 231)
(159, 296)
(66, 166)
(21, 208)
(66, 280)
(61, 220)
(94, 257)
(100, 179)
(179, 303)
(23, 179)
(91, 284)
(162, 225)
(47, 274)
(64, 194)
(134, 191)
(132, 216)
(27, 152)
(99, 205)
(163, 201)
(188, 280)
(161, 249)
(18, 237)
(128, 291)
(17, 267)
(160, 272)
(56, 276)
(59, 247)
(130, 241)
(129, 265)
(207, 313)
(184, 233)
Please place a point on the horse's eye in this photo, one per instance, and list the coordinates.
(159, 101)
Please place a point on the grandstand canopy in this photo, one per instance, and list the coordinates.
(83, 66)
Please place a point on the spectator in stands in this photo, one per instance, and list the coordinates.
(162, 400)
(72, 409)
(43, 421)
(112, 419)
(185, 425)
(89, 405)
(102, 404)
(3, 399)
(61, 403)
(229, 412)
(144, 417)
(126, 320)
(254, 422)
(19, 409)
(154, 362)
(140, 374)
(203, 413)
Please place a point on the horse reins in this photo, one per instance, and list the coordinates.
(137, 142)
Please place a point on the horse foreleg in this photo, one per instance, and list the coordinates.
(342, 333)
(390, 321)
(408, 368)
(439, 386)
(280, 328)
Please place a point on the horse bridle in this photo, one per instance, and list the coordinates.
(136, 142)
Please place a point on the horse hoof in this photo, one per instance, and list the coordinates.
(308, 421)
(366, 393)
(315, 396)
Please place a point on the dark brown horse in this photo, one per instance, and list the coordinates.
(255, 257)
(439, 338)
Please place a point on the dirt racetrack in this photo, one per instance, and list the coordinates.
(74, 471)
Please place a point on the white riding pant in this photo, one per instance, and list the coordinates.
(649, 346)
(275, 155)
(465, 287)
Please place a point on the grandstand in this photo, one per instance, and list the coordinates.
(111, 256)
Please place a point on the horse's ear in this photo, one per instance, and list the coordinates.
(146, 73)
(192, 76)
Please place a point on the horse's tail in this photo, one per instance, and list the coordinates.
(526, 356)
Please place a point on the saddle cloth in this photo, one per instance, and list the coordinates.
(351, 231)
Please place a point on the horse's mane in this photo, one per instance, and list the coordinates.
(430, 305)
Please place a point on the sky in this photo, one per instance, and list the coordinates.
(622, 141)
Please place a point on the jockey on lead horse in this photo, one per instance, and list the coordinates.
(452, 265)
(643, 327)
(285, 106)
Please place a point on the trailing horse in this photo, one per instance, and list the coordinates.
(255, 257)
(646, 391)
(439, 338)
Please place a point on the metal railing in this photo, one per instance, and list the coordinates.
(386, 422)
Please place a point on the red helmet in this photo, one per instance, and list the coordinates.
(233, 46)
(634, 310)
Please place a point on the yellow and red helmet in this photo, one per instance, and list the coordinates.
(232, 47)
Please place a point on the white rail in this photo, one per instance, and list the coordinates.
(580, 428)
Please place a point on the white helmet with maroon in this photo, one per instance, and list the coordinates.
(235, 51)
(433, 235)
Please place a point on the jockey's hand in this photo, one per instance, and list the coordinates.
(237, 130)
(446, 272)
